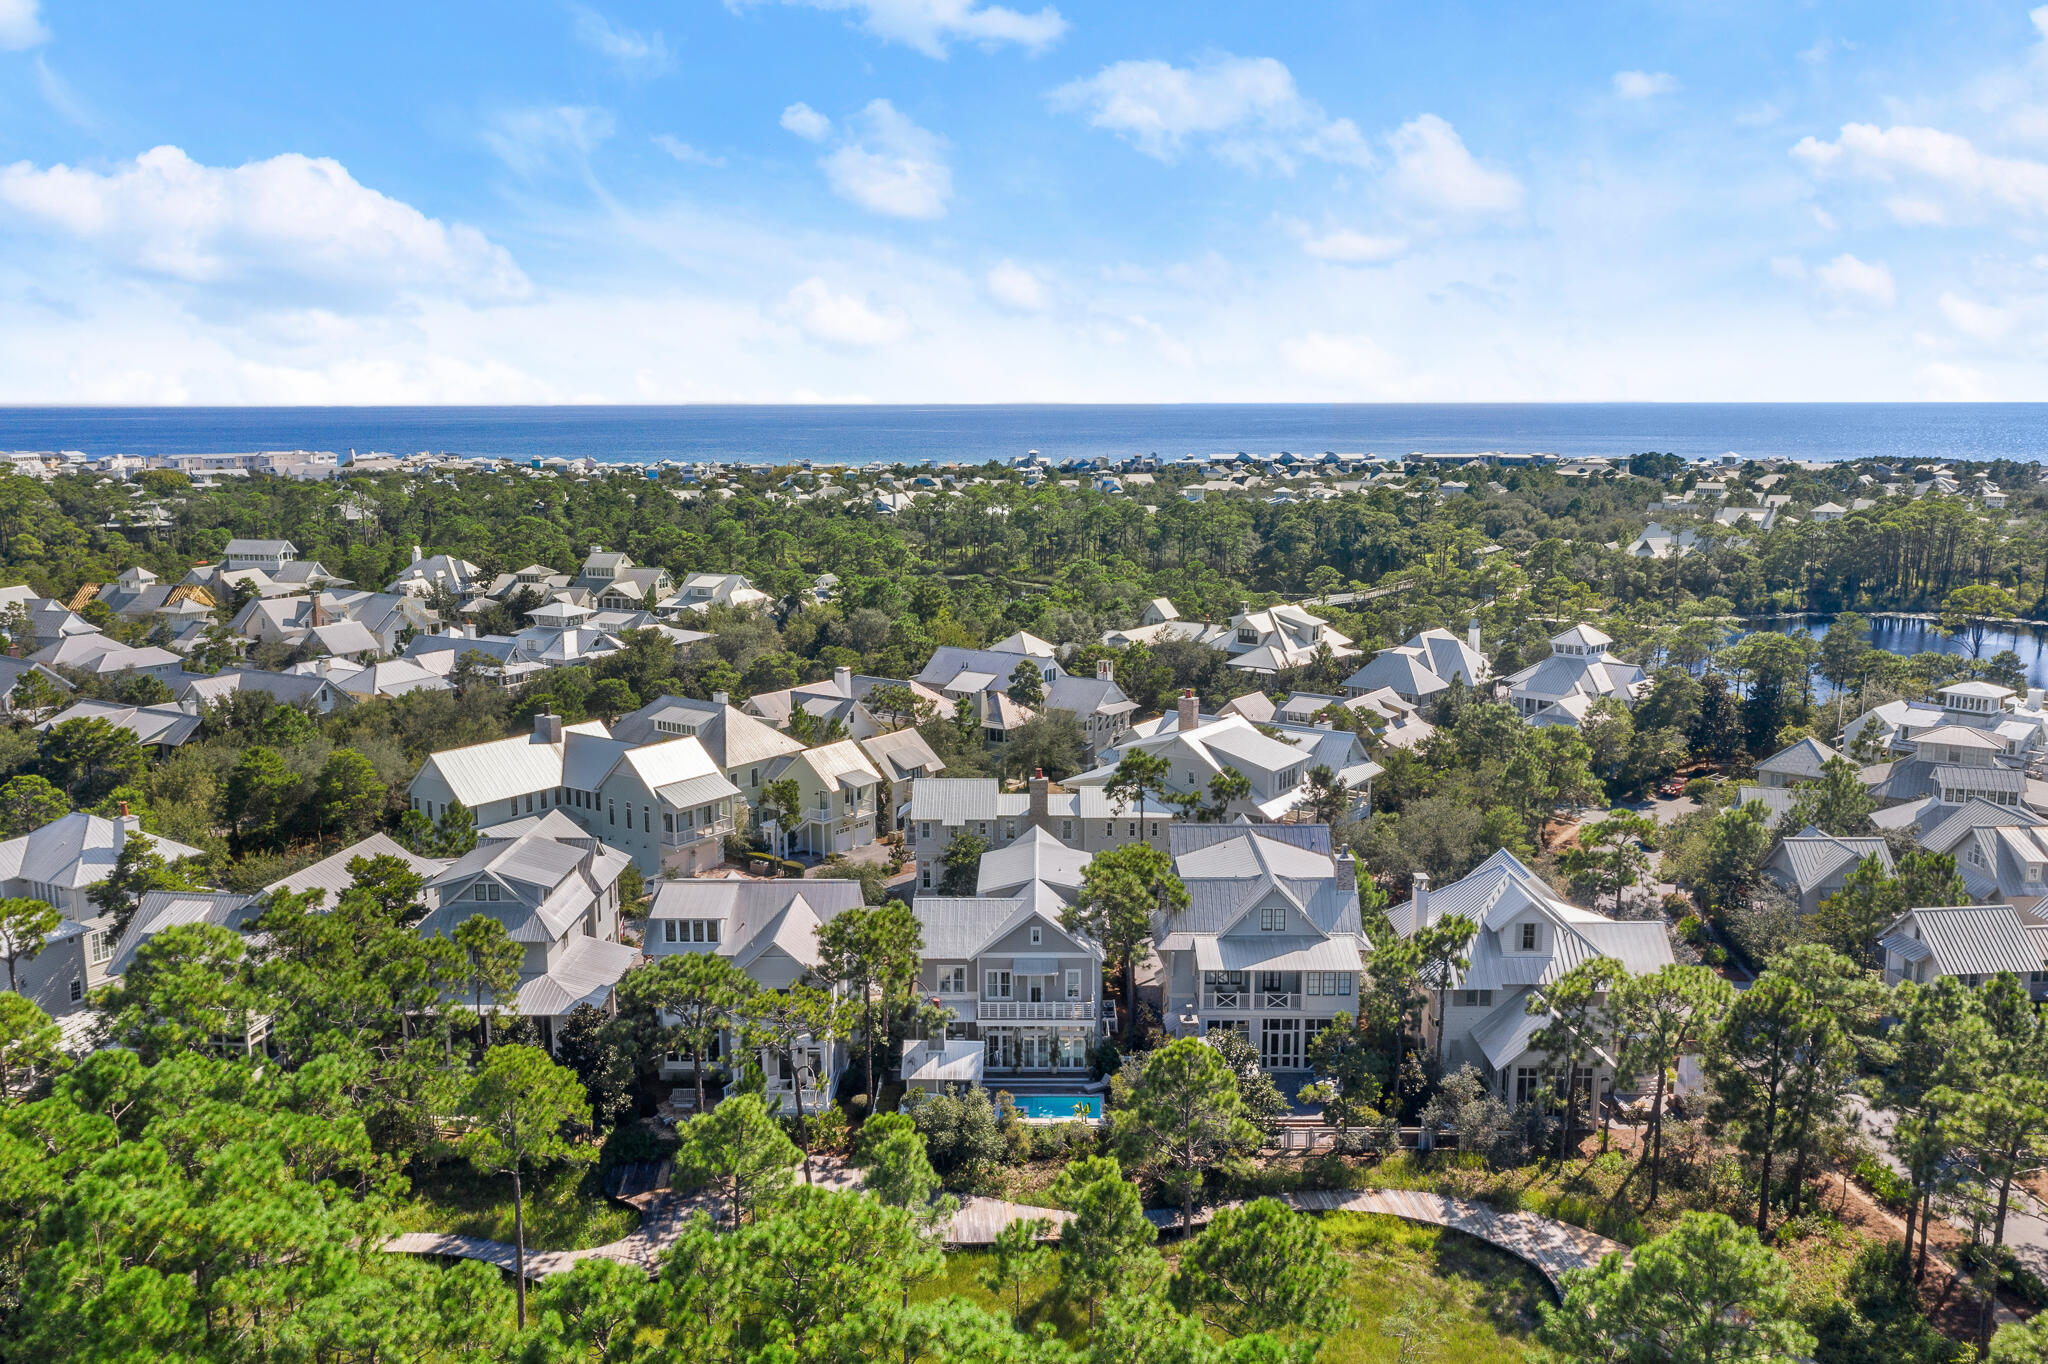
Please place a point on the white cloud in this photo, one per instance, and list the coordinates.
(1244, 109)
(841, 319)
(1433, 168)
(806, 122)
(684, 152)
(1644, 84)
(634, 53)
(288, 218)
(891, 166)
(1978, 321)
(534, 140)
(1014, 286)
(931, 26)
(1849, 282)
(21, 27)
(1953, 383)
(1347, 247)
(1940, 159)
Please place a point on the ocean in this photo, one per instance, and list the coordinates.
(861, 435)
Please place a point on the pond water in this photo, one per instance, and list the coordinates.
(1909, 635)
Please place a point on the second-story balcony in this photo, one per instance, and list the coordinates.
(1247, 1001)
(1024, 1010)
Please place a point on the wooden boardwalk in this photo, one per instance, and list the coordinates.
(1553, 1247)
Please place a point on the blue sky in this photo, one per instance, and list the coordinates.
(954, 201)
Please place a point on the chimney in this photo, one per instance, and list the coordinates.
(842, 681)
(1419, 895)
(1041, 799)
(597, 549)
(1105, 671)
(547, 728)
(1190, 710)
(416, 555)
(125, 824)
(719, 698)
(1472, 636)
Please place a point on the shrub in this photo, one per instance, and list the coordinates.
(1104, 1059)
(1891, 1188)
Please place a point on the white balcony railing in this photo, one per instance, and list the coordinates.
(1006, 1010)
(1262, 1000)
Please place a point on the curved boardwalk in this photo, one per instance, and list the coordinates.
(1553, 1247)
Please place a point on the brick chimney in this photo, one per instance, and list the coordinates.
(125, 824)
(1041, 799)
(1190, 710)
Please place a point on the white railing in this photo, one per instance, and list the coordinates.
(683, 838)
(1278, 999)
(1012, 1009)
(1224, 999)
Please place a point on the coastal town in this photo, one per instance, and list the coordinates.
(1125, 881)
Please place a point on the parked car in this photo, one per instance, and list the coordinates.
(1672, 789)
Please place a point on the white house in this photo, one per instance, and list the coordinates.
(1527, 938)
(1579, 671)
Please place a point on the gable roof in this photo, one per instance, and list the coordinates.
(755, 914)
(1802, 760)
(1969, 940)
(1035, 855)
(1812, 858)
(330, 873)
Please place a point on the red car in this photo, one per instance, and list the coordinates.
(1674, 787)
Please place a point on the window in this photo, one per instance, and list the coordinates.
(924, 828)
(1037, 935)
(1073, 984)
(981, 828)
(1272, 919)
(1109, 828)
(1155, 828)
(995, 985)
(1133, 832)
(1474, 999)
(1528, 937)
(529, 803)
(924, 878)
(611, 812)
(1009, 829)
(1247, 636)
(98, 947)
(495, 890)
(753, 776)
(646, 819)
(668, 930)
(1066, 831)
(77, 989)
(668, 822)
(952, 980)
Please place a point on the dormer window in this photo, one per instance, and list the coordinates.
(1272, 919)
(1528, 937)
(1247, 636)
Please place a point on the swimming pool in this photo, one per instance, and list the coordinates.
(1068, 1106)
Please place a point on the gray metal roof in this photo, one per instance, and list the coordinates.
(1812, 858)
(1802, 760)
(1975, 940)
